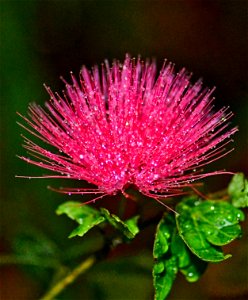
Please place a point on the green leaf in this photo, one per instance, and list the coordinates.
(189, 265)
(88, 217)
(163, 234)
(132, 225)
(171, 254)
(195, 269)
(206, 225)
(84, 215)
(238, 190)
(165, 266)
(128, 228)
(179, 249)
(164, 274)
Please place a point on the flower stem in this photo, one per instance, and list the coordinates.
(223, 194)
(122, 206)
(69, 278)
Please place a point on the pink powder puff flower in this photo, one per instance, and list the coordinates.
(125, 126)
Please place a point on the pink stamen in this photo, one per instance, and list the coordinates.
(122, 125)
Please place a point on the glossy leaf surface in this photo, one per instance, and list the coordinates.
(128, 228)
(86, 216)
(165, 267)
(164, 274)
(163, 236)
(206, 225)
(189, 265)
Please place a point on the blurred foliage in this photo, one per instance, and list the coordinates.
(41, 40)
(238, 190)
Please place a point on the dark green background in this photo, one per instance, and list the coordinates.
(42, 40)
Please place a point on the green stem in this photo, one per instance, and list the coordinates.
(69, 278)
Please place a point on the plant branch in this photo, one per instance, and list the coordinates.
(219, 194)
(69, 278)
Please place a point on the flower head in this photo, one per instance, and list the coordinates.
(124, 126)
